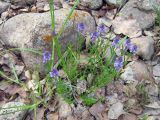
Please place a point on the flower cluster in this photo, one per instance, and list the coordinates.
(94, 36)
(102, 29)
(119, 63)
(116, 41)
(132, 47)
(46, 56)
(54, 73)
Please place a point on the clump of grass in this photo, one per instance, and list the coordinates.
(104, 69)
(143, 97)
(157, 11)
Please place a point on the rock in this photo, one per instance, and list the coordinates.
(128, 116)
(104, 21)
(27, 31)
(78, 111)
(93, 4)
(64, 109)
(96, 110)
(130, 10)
(42, 5)
(156, 70)
(152, 90)
(145, 46)
(52, 116)
(116, 2)
(128, 27)
(4, 6)
(154, 105)
(137, 71)
(112, 99)
(153, 117)
(148, 5)
(87, 116)
(22, 2)
(115, 110)
(27, 74)
(12, 114)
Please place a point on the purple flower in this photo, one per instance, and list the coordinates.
(46, 56)
(102, 29)
(127, 43)
(119, 63)
(81, 27)
(53, 33)
(54, 73)
(115, 41)
(94, 36)
(133, 48)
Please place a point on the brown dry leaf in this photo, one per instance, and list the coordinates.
(14, 89)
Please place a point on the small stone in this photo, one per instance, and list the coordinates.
(28, 75)
(97, 109)
(64, 109)
(116, 2)
(128, 116)
(145, 46)
(4, 6)
(93, 4)
(10, 113)
(154, 105)
(46, 7)
(104, 21)
(4, 15)
(152, 90)
(156, 70)
(137, 71)
(115, 110)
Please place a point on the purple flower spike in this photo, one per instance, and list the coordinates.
(54, 73)
(133, 48)
(102, 29)
(115, 41)
(46, 56)
(81, 27)
(94, 36)
(119, 63)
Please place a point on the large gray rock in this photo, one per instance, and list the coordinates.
(145, 46)
(3, 6)
(130, 10)
(115, 111)
(12, 113)
(27, 31)
(128, 27)
(93, 4)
